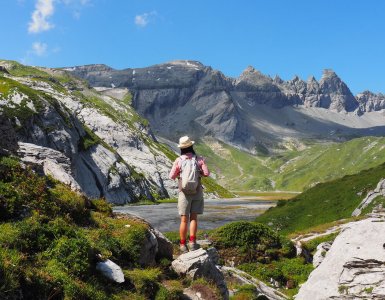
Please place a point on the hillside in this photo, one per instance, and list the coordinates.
(291, 170)
(94, 142)
(324, 203)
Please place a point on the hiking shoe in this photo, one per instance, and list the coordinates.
(183, 248)
(193, 246)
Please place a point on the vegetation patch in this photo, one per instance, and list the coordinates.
(244, 241)
(51, 238)
(324, 203)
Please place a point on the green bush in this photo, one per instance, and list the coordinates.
(74, 254)
(245, 235)
(283, 270)
(102, 206)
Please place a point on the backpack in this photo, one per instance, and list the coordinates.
(190, 174)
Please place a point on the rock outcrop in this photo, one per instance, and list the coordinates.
(248, 111)
(378, 191)
(201, 264)
(354, 267)
(93, 142)
(8, 140)
(244, 278)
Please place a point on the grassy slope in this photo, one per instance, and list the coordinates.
(291, 170)
(324, 203)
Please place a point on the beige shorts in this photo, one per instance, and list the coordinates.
(190, 204)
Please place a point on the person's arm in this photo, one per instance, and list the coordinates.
(175, 170)
(204, 169)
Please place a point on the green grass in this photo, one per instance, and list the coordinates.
(51, 237)
(324, 203)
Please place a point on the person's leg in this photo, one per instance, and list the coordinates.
(193, 226)
(192, 244)
(183, 229)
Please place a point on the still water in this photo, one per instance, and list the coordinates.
(217, 212)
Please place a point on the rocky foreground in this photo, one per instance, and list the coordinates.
(354, 267)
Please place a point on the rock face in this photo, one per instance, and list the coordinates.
(370, 102)
(354, 267)
(182, 97)
(378, 191)
(95, 143)
(199, 263)
(8, 141)
(320, 253)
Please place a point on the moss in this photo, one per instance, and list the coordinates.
(144, 280)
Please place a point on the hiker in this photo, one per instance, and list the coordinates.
(189, 168)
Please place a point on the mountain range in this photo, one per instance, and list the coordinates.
(254, 112)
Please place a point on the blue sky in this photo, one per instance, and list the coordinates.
(281, 37)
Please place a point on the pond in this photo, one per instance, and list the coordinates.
(217, 212)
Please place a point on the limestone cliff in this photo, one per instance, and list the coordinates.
(93, 142)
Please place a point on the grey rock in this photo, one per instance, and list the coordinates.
(8, 140)
(243, 278)
(149, 250)
(369, 101)
(320, 253)
(110, 270)
(54, 162)
(378, 191)
(198, 263)
(353, 267)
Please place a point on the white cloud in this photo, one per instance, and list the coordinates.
(39, 49)
(143, 19)
(39, 20)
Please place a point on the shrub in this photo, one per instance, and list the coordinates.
(10, 261)
(102, 206)
(73, 254)
(245, 235)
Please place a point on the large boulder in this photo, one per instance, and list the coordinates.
(201, 264)
(354, 267)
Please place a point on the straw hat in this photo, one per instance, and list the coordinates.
(185, 142)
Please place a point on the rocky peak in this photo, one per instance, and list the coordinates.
(297, 85)
(278, 80)
(187, 63)
(90, 68)
(331, 83)
(312, 85)
(337, 94)
(253, 80)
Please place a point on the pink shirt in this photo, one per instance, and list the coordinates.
(175, 171)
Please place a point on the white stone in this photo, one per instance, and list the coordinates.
(111, 270)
